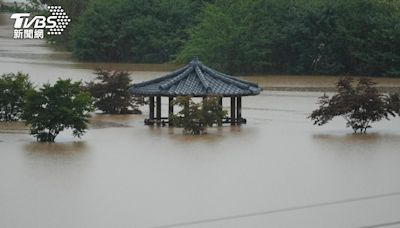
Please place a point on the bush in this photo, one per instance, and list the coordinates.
(359, 106)
(13, 89)
(111, 93)
(55, 108)
(194, 117)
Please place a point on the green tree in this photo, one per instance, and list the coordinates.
(54, 108)
(299, 37)
(190, 117)
(13, 89)
(212, 111)
(307, 41)
(111, 93)
(359, 105)
(150, 31)
(233, 36)
(195, 117)
(369, 29)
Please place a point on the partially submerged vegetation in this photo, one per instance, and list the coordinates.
(194, 117)
(265, 36)
(360, 105)
(111, 94)
(13, 89)
(51, 109)
(54, 108)
(67, 105)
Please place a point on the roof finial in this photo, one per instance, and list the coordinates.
(195, 60)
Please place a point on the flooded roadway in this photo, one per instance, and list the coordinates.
(276, 171)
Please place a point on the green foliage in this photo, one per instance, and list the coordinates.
(111, 93)
(299, 37)
(307, 41)
(13, 89)
(357, 37)
(233, 36)
(74, 8)
(212, 111)
(369, 30)
(359, 106)
(195, 117)
(393, 104)
(150, 31)
(190, 117)
(20, 7)
(54, 108)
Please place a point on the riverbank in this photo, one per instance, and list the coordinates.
(320, 83)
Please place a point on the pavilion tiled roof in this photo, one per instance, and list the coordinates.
(196, 80)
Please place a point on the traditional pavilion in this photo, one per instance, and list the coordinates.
(195, 80)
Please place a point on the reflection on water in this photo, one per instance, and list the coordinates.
(212, 135)
(45, 149)
(358, 143)
(348, 138)
(98, 121)
(351, 138)
(13, 127)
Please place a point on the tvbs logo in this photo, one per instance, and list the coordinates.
(26, 27)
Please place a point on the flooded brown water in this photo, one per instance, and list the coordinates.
(276, 171)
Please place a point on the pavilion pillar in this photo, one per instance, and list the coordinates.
(221, 106)
(158, 110)
(239, 110)
(233, 110)
(170, 109)
(151, 106)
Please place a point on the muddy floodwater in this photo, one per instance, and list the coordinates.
(276, 171)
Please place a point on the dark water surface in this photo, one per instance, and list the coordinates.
(276, 171)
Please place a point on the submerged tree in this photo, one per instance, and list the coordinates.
(111, 93)
(13, 89)
(212, 111)
(190, 117)
(359, 105)
(55, 108)
(195, 117)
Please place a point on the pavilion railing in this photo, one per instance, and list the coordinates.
(163, 121)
